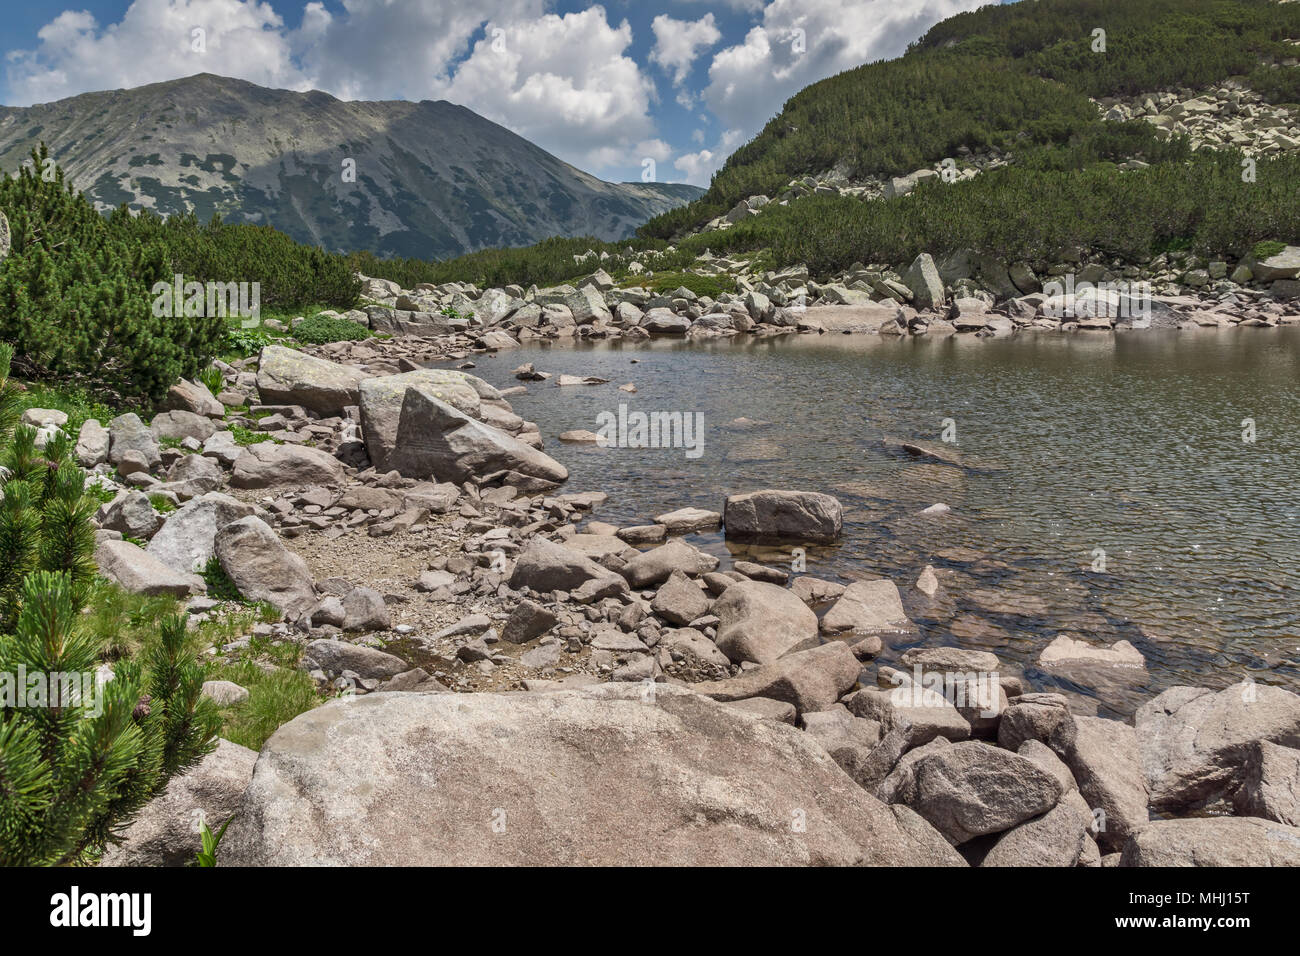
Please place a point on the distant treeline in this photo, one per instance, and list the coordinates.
(75, 288)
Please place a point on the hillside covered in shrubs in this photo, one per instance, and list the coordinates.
(1010, 77)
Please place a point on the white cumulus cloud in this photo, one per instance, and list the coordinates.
(156, 40)
(679, 42)
(799, 42)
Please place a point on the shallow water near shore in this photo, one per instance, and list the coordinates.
(1068, 446)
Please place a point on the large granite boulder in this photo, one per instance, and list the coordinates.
(334, 657)
(193, 396)
(1103, 757)
(1282, 265)
(867, 607)
(1271, 784)
(131, 514)
(289, 377)
(435, 440)
(612, 775)
(811, 680)
(1195, 743)
(166, 831)
(382, 398)
(135, 570)
(1056, 838)
(185, 541)
(922, 278)
(268, 465)
(656, 565)
(971, 789)
(1213, 841)
(759, 622)
(546, 566)
(92, 444)
(128, 433)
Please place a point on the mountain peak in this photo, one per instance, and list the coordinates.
(430, 179)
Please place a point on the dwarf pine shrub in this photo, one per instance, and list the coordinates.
(77, 758)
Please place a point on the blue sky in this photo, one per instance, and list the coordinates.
(613, 88)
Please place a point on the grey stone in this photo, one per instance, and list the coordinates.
(971, 789)
(680, 600)
(288, 377)
(128, 433)
(546, 566)
(1213, 841)
(1270, 787)
(268, 465)
(1103, 757)
(759, 622)
(166, 830)
(923, 713)
(391, 779)
(867, 607)
(92, 444)
(185, 541)
(224, 692)
(805, 515)
(529, 620)
(1057, 838)
(654, 566)
(262, 568)
(812, 680)
(382, 399)
(364, 610)
(136, 571)
(435, 440)
(922, 278)
(179, 425)
(339, 656)
(1195, 742)
(131, 514)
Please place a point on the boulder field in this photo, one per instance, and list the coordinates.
(523, 683)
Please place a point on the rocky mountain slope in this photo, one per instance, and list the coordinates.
(432, 179)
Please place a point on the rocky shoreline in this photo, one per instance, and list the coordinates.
(962, 293)
(606, 693)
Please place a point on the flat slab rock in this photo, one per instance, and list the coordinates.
(605, 775)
